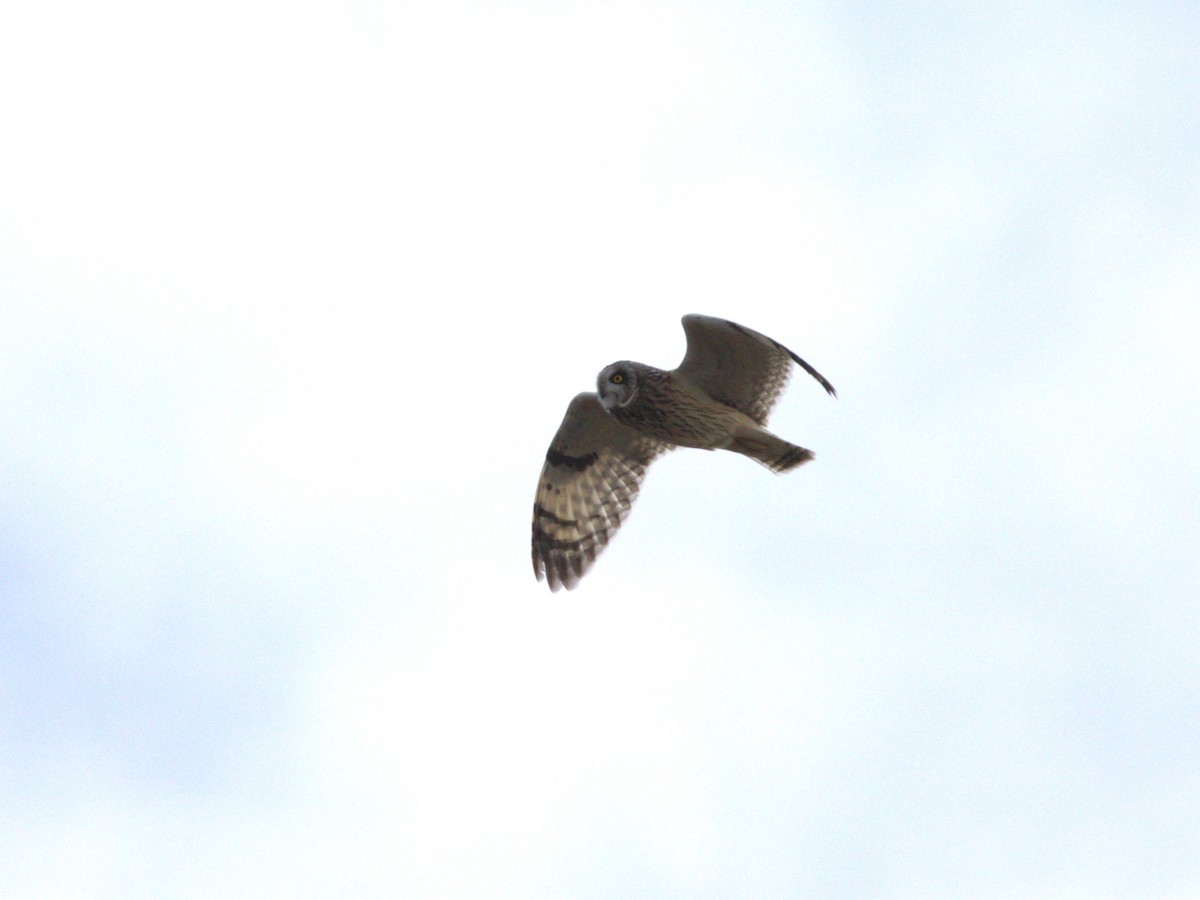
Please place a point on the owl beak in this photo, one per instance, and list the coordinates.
(607, 398)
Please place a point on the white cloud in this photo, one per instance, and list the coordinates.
(294, 299)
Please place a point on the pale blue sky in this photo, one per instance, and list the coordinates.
(292, 298)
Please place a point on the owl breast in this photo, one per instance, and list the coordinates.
(662, 408)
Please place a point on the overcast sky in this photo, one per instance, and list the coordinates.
(293, 297)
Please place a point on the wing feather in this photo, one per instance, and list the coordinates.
(738, 366)
(593, 471)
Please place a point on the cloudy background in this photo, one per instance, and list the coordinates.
(292, 298)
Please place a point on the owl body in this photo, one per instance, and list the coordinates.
(668, 407)
(718, 398)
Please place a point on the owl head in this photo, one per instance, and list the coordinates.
(617, 385)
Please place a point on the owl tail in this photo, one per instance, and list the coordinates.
(773, 452)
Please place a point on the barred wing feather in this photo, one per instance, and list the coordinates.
(593, 471)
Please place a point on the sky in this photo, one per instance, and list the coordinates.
(293, 297)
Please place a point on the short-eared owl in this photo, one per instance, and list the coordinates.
(718, 398)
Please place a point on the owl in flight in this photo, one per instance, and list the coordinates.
(718, 398)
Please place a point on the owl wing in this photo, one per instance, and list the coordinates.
(738, 366)
(593, 471)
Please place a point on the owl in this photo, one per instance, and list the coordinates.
(717, 399)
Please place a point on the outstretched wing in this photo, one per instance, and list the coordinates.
(738, 366)
(593, 471)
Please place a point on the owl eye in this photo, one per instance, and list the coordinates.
(617, 378)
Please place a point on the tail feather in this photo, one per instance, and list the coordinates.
(773, 452)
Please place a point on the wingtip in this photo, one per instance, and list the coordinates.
(821, 379)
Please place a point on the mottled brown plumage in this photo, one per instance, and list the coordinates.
(718, 398)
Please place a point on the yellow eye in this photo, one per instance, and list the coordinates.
(617, 378)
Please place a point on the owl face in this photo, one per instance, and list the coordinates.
(617, 385)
